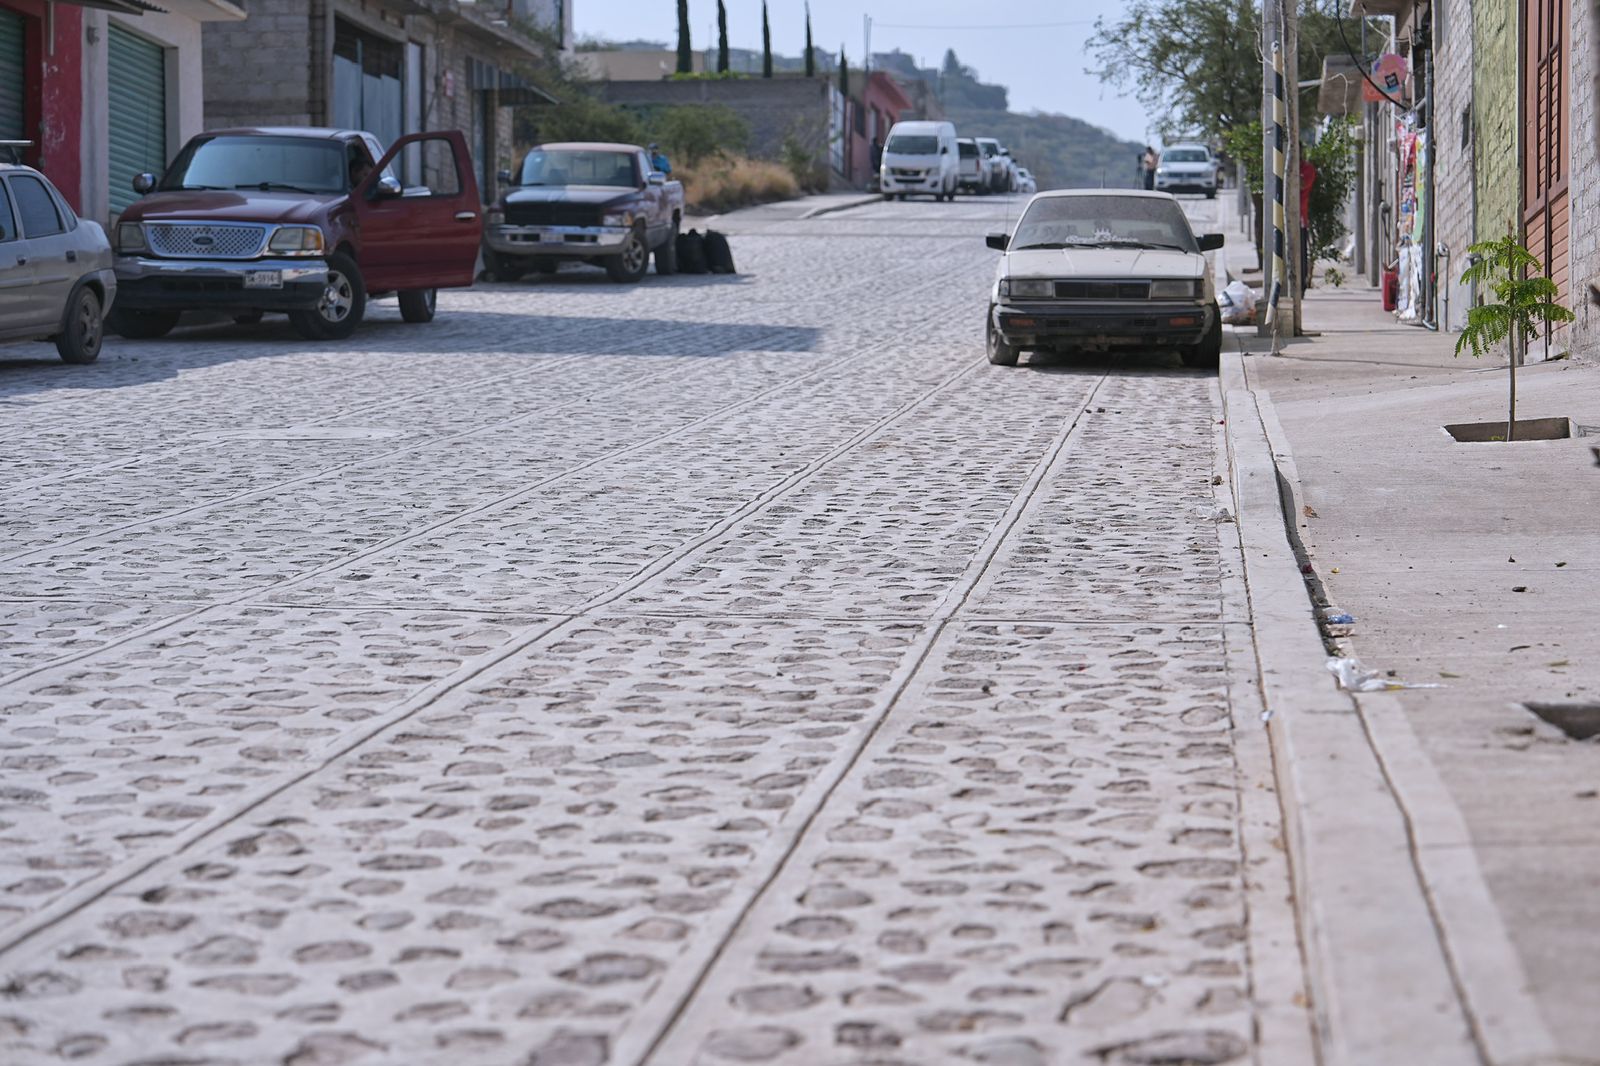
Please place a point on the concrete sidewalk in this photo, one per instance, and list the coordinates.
(1475, 567)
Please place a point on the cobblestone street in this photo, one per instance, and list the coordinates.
(713, 670)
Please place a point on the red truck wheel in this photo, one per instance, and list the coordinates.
(342, 306)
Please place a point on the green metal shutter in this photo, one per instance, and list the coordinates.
(12, 125)
(137, 93)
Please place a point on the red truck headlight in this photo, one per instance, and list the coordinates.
(296, 240)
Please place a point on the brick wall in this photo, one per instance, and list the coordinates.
(1453, 220)
(266, 70)
(776, 108)
(1494, 35)
(1585, 176)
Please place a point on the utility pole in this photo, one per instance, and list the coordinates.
(1267, 230)
(866, 44)
(1298, 227)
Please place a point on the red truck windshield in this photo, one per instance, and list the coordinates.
(295, 164)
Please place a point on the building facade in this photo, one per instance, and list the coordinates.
(106, 89)
(390, 67)
(1502, 97)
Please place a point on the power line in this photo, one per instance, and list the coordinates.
(988, 26)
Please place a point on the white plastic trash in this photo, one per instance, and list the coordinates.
(1353, 677)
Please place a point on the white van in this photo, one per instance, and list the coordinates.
(920, 159)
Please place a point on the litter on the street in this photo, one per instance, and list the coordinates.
(1238, 302)
(1353, 677)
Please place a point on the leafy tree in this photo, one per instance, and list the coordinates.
(580, 117)
(1526, 300)
(811, 51)
(695, 133)
(1334, 156)
(1196, 64)
(722, 38)
(766, 42)
(685, 51)
(952, 68)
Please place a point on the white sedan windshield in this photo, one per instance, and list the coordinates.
(1089, 221)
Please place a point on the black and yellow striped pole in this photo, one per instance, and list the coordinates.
(1279, 145)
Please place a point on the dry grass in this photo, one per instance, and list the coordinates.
(723, 184)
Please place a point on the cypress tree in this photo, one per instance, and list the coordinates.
(844, 74)
(766, 43)
(811, 52)
(722, 38)
(685, 55)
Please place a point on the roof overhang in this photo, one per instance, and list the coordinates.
(1342, 82)
(121, 7)
(1400, 9)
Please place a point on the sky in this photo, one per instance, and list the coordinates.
(1034, 47)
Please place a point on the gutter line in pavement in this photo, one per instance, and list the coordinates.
(944, 615)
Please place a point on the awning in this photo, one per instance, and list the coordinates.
(1340, 93)
(513, 89)
(121, 7)
(1398, 8)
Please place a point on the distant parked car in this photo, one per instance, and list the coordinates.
(974, 169)
(56, 280)
(312, 222)
(997, 170)
(1101, 270)
(591, 202)
(1187, 168)
(1025, 181)
(921, 159)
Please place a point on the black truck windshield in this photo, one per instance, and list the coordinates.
(297, 164)
(579, 166)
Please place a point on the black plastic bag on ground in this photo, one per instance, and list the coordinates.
(692, 253)
(719, 257)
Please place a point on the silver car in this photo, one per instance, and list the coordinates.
(56, 279)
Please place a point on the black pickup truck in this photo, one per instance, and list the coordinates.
(588, 201)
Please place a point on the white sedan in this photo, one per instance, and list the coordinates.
(1103, 270)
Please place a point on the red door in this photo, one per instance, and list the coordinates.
(1545, 205)
(427, 236)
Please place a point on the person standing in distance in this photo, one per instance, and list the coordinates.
(659, 160)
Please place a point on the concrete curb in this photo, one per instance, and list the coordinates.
(1382, 989)
(828, 209)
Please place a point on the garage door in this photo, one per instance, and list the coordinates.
(11, 117)
(137, 80)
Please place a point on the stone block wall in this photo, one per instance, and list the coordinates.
(1494, 115)
(777, 109)
(268, 70)
(1585, 176)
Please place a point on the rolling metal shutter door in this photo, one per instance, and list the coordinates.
(12, 123)
(137, 95)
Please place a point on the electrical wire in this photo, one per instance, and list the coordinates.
(988, 26)
(1361, 64)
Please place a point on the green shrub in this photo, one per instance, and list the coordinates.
(693, 133)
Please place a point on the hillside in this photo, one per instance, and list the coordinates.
(1062, 152)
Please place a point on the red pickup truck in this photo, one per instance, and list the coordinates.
(312, 222)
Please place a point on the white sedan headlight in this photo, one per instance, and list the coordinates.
(1174, 290)
(296, 240)
(1028, 288)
